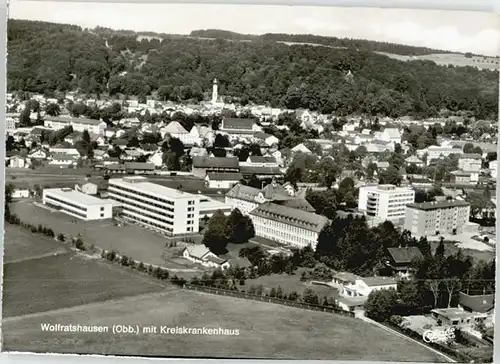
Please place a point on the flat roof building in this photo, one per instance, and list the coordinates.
(77, 204)
(385, 202)
(437, 217)
(168, 210)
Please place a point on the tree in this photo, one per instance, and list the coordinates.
(221, 141)
(52, 109)
(215, 237)
(390, 176)
(380, 304)
(468, 148)
(452, 286)
(240, 227)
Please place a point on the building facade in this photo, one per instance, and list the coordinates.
(168, 210)
(286, 225)
(470, 162)
(79, 124)
(434, 218)
(77, 204)
(385, 202)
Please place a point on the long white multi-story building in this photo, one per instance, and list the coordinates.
(166, 209)
(286, 225)
(79, 124)
(385, 202)
(77, 204)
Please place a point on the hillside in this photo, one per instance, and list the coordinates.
(45, 57)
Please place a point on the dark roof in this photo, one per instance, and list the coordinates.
(116, 166)
(237, 124)
(274, 191)
(481, 303)
(215, 260)
(215, 162)
(470, 156)
(297, 203)
(139, 166)
(260, 159)
(404, 255)
(260, 170)
(243, 192)
(290, 216)
(438, 205)
(214, 176)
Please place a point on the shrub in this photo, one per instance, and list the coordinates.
(396, 320)
(79, 244)
(60, 237)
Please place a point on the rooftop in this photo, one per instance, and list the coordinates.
(215, 176)
(480, 303)
(387, 189)
(433, 205)
(290, 216)
(405, 254)
(378, 281)
(215, 162)
(142, 184)
(71, 195)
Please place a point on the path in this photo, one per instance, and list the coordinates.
(394, 332)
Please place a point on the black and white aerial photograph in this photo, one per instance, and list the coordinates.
(250, 182)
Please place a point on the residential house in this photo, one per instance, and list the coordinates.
(414, 160)
(39, 154)
(468, 162)
(17, 162)
(202, 165)
(202, 255)
(270, 140)
(63, 160)
(400, 260)
(351, 285)
(239, 128)
(176, 130)
(301, 148)
(492, 166)
(461, 177)
(480, 304)
(456, 317)
(62, 150)
(391, 135)
(21, 190)
(222, 180)
(436, 152)
(260, 161)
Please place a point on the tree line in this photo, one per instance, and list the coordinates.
(46, 57)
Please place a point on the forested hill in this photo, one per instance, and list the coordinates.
(46, 57)
(366, 45)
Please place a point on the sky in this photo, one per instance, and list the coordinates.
(460, 31)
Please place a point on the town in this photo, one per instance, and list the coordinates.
(386, 222)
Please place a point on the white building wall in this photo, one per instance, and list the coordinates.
(284, 233)
(385, 204)
(172, 215)
(77, 209)
(244, 206)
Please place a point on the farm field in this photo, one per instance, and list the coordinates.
(66, 280)
(265, 331)
(21, 244)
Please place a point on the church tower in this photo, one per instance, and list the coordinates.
(215, 95)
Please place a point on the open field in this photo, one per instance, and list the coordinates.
(67, 280)
(444, 59)
(21, 244)
(265, 331)
(140, 244)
